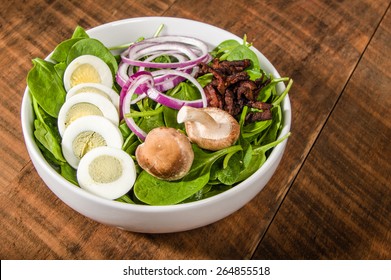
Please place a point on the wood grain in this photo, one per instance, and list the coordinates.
(317, 43)
(339, 205)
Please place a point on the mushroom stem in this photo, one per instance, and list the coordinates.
(190, 114)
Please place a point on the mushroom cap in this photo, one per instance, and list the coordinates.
(212, 138)
(166, 154)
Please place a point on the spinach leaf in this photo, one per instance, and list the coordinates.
(208, 191)
(153, 191)
(150, 122)
(66, 171)
(214, 190)
(93, 47)
(49, 156)
(69, 173)
(232, 50)
(126, 199)
(247, 152)
(79, 32)
(60, 53)
(269, 90)
(205, 79)
(258, 158)
(229, 174)
(252, 130)
(46, 86)
(242, 52)
(198, 195)
(60, 69)
(147, 114)
(131, 143)
(278, 98)
(46, 132)
(274, 127)
(224, 48)
(255, 74)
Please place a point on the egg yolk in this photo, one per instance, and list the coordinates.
(85, 73)
(86, 141)
(105, 169)
(80, 110)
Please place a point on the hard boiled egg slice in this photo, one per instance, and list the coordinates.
(107, 172)
(85, 104)
(87, 69)
(87, 133)
(96, 88)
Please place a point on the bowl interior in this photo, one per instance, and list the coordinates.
(128, 30)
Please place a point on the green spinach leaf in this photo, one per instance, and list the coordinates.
(258, 158)
(46, 86)
(244, 52)
(46, 132)
(229, 174)
(79, 32)
(232, 50)
(269, 90)
(69, 173)
(60, 53)
(274, 127)
(153, 191)
(93, 47)
(224, 48)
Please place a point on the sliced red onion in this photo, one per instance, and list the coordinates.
(190, 78)
(122, 76)
(195, 50)
(136, 84)
(190, 41)
(172, 102)
(188, 51)
(171, 65)
(127, 101)
(168, 42)
(133, 58)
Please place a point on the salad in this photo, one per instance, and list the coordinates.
(165, 122)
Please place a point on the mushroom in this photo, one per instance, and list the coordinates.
(166, 154)
(210, 128)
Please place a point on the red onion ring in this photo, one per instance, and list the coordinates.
(188, 51)
(127, 102)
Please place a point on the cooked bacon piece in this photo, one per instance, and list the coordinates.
(214, 99)
(231, 88)
(236, 78)
(259, 116)
(259, 105)
(230, 67)
(248, 89)
(231, 106)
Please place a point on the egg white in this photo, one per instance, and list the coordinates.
(98, 124)
(111, 189)
(96, 88)
(98, 67)
(107, 109)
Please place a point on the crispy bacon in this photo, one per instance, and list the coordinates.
(231, 88)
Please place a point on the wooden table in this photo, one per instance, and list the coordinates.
(330, 197)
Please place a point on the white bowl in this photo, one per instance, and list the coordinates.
(156, 219)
